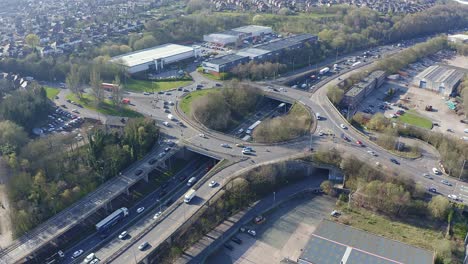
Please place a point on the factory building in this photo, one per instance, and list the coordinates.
(155, 59)
(236, 36)
(271, 51)
(362, 89)
(442, 79)
(224, 63)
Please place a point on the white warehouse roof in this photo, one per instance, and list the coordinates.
(147, 55)
(254, 29)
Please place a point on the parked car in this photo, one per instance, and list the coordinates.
(432, 190)
(236, 240)
(445, 182)
(435, 171)
(228, 246)
(157, 215)
(343, 126)
(428, 176)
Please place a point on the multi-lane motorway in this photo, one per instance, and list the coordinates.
(144, 230)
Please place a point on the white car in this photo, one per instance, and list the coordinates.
(335, 213)
(320, 133)
(123, 235)
(202, 135)
(141, 209)
(77, 253)
(452, 196)
(372, 153)
(157, 215)
(435, 171)
(224, 145)
(342, 126)
(166, 123)
(212, 184)
(252, 232)
(94, 261)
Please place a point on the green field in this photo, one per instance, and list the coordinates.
(414, 119)
(148, 86)
(106, 107)
(51, 92)
(185, 103)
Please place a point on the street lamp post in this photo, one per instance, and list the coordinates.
(274, 197)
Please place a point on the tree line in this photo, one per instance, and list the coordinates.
(223, 110)
(51, 173)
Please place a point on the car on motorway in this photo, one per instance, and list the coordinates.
(228, 246)
(212, 184)
(224, 145)
(143, 246)
(445, 182)
(240, 145)
(432, 190)
(61, 254)
(165, 123)
(428, 176)
(146, 93)
(395, 161)
(435, 171)
(372, 153)
(191, 181)
(141, 209)
(453, 197)
(248, 149)
(167, 149)
(89, 258)
(77, 253)
(236, 240)
(123, 235)
(138, 172)
(246, 152)
(360, 143)
(202, 135)
(157, 215)
(343, 126)
(346, 138)
(95, 261)
(152, 161)
(251, 232)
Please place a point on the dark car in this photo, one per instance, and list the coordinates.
(228, 246)
(395, 161)
(152, 161)
(182, 178)
(432, 190)
(236, 240)
(138, 172)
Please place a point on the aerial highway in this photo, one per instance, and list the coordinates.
(144, 230)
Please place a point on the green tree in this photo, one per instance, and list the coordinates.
(117, 91)
(335, 94)
(12, 136)
(439, 206)
(32, 40)
(327, 187)
(96, 85)
(378, 122)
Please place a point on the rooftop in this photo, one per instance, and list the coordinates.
(226, 59)
(252, 52)
(252, 29)
(445, 74)
(462, 37)
(336, 243)
(154, 53)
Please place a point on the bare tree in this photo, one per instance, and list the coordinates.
(117, 91)
(96, 82)
(73, 81)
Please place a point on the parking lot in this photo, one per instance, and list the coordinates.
(60, 121)
(284, 233)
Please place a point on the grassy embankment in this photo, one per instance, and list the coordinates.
(106, 107)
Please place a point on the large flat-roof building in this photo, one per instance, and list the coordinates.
(224, 63)
(362, 89)
(271, 51)
(334, 243)
(443, 79)
(155, 58)
(235, 36)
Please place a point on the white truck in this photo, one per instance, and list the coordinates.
(324, 70)
(189, 196)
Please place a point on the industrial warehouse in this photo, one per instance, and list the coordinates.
(237, 36)
(337, 243)
(270, 51)
(155, 59)
(442, 79)
(362, 89)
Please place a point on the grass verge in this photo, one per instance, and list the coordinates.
(292, 125)
(148, 86)
(414, 119)
(51, 92)
(106, 107)
(186, 102)
(425, 235)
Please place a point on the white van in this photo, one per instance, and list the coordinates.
(89, 258)
(191, 181)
